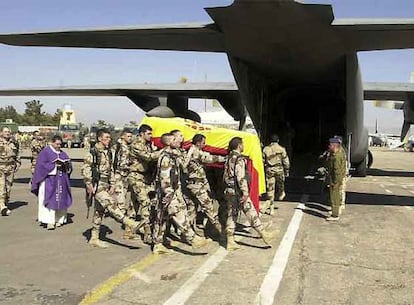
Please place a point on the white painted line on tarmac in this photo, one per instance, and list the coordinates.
(412, 192)
(187, 289)
(388, 191)
(404, 186)
(274, 276)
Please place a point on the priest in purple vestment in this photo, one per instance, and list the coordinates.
(51, 184)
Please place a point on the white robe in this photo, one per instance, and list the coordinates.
(46, 215)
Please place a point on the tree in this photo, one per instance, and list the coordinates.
(101, 123)
(133, 123)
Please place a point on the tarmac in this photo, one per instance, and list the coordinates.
(364, 258)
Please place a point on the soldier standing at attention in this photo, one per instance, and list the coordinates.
(346, 177)
(9, 164)
(36, 146)
(99, 180)
(237, 194)
(276, 162)
(142, 160)
(171, 205)
(336, 174)
(197, 182)
(121, 170)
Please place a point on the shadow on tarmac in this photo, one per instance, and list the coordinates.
(378, 199)
(380, 172)
(16, 204)
(103, 236)
(22, 180)
(77, 183)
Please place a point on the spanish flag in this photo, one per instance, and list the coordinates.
(217, 140)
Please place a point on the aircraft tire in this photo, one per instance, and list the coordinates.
(370, 159)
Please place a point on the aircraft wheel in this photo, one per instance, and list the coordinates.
(370, 159)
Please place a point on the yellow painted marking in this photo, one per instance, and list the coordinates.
(113, 282)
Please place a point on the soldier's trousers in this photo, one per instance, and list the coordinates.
(275, 183)
(343, 191)
(141, 189)
(6, 182)
(121, 196)
(248, 209)
(201, 193)
(105, 202)
(335, 198)
(175, 212)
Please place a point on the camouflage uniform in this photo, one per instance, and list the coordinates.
(236, 181)
(344, 181)
(171, 205)
(36, 147)
(103, 199)
(276, 162)
(197, 182)
(121, 171)
(336, 175)
(140, 178)
(9, 163)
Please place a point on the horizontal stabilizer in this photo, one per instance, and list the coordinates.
(375, 34)
(387, 91)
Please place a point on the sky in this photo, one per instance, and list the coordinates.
(41, 67)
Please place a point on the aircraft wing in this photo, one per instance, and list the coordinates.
(388, 92)
(376, 34)
(146, 96)
(185, 37)
(194, 90)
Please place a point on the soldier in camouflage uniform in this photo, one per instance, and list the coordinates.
(346, 177)
(171, 206)
(336, 173)
(142, 156)
(237, 194)
(276, 162)
(9, 164)
(36, 146)
(197, 182)
(121, 170)
(98, 161)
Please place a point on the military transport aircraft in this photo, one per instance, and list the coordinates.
(294, 64)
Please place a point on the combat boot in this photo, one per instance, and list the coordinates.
(5, 212)
(282, 196)
(132, 225)
(198, 242)
(160, 249)
(272, 209)
(96, 242)
(332, 218)
(267, 236)
(128, 234)
(264, 207)
(231, 243)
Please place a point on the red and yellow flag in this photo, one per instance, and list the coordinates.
(217, 140)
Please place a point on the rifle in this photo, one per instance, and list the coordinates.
(90, 198)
